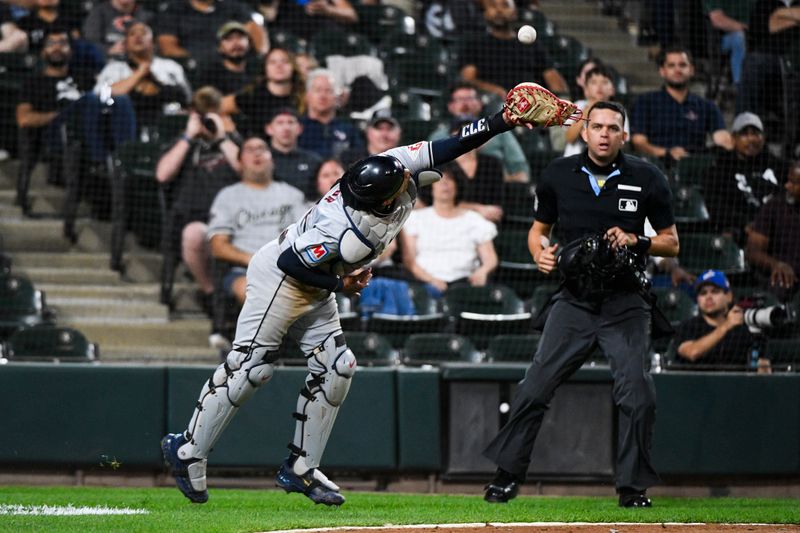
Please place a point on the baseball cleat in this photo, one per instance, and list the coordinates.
(307, 484)
(504, 487)
(634, 499)
(184, 471)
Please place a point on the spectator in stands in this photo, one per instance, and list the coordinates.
(44, 18)
(48, 100)
(383, 133)
(12, 38)
(774, 29)
(227, 72)
(730, 17)
(773, 242)
(201, 162)
(247, 215)
(151, 82)
(187, 28)
(481, 186)
(717, 336)
(494, 60)
(293, 165)
(673, 123)
(743, 180)
(598, 86)
(446, 244)
(305, 19)
(577, 86)
(107, 22)
(323, 132)
(279, 87)
(329, 172)
(464, 104)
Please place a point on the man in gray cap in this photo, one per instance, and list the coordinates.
(742, 180)
(383, 133)
(227, 72)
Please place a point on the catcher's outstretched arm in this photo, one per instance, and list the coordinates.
(470, 137)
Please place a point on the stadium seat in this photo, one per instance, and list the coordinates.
(519, 200)
(676, 305)
(348, 313)
(541, 295)
(21, 305)
(701, 251)
(417, 63)
(516, 269)
(339, 43)
(691, 170)
(784, 353)
(371, 349)
(287, 40)
(396, 328)
(483, 312)
(688, 205)
(378, 22)
(512, 348)
(415, 130)
(434, 348)
(49, 343)
(567, 54)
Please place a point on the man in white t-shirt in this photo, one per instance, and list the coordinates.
(445, 243)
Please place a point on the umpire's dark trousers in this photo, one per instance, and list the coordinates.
(620, 325)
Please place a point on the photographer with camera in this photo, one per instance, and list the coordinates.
(600, 200)
(718, 335)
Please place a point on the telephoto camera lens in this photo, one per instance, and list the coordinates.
(765, 317)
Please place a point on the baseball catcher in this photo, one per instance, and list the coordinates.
(290, 286)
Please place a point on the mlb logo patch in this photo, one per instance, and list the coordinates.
(629, 205)
(316, 252)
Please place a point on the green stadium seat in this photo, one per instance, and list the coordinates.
(512, 348)
(287, 40)
(676, 305)
(339, 43)
(701, 251)
(21, 305)
(378, 22)
(784, 353)
(688, 205)
(567, 54)
(417, 63)
(541, 295)
(49, 343)
(483, 312)
(396, 328)
(519, 201)
(691, 170)
(434, 348)
(371, 349)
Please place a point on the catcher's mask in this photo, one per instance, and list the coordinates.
(591, 263)
(370, 182)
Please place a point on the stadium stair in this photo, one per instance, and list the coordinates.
(121, 314)
(602, 34)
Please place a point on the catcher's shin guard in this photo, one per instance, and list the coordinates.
(331, 366)
(232, 384)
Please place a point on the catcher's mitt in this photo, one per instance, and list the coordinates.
(533, 104)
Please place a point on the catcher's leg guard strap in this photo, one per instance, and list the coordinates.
(232, 384)
(331, 367)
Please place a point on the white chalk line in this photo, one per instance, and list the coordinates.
(67, 510)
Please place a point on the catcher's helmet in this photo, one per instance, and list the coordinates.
(373, 180)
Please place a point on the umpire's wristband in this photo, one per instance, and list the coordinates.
(642, 245)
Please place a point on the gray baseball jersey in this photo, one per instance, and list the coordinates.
(254, 216)
(276, 301)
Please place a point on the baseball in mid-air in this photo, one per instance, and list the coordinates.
(526, 34)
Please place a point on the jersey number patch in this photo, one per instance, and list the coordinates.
(316, 252)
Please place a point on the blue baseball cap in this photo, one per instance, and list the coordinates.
(712, 277)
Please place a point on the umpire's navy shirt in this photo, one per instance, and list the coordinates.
(668, 123)
(568, 193)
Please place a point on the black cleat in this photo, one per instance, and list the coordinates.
(307, 484)
(504, 487)
(629, 498)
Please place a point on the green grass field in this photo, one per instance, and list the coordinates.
(265, 510)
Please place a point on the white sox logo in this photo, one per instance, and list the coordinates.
(629, 205)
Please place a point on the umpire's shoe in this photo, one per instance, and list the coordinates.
(634, 498)
(504, 487)
(185, 471)
(307, 484)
